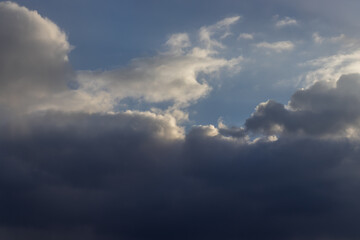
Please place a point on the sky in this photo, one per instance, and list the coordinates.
(179, 119)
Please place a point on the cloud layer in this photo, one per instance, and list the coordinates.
(122, 176)
(72, 167)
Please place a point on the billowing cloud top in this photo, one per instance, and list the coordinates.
(35, 61)
(34, 57)
(74, 166)
(321, 110)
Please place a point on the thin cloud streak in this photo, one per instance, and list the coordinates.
(279, 47)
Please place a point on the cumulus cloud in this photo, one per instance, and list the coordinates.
(321, 110)
(285, 22)
(78, 170)
(167, 77)
(160, 126)
(36, 75)
(170, 76)
(109, 177)
(33, 57)
(279, 47)
(331, 68)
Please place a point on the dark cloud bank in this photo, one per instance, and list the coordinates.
(134, 175)
(84, 180)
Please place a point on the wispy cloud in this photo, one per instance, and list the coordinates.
(221, 28)
(280, 46)
(330, 68)
(247, 36)
(171, 75)
(317, 38)
(285, 22)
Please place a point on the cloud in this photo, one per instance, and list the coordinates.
(285, 22)
(34, 61)
(330, 68)
(177, 42)
(321, 110)
(79, 170)
(120, 176)
(167, 77)
(246, 36)
(33, 58)
(161, 126)
(279, 47)
(171, 76)
(222, 27)
(319, 39)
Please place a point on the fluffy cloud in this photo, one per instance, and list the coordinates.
(68, 173)
(321, 110)
(276, 46)
(331, 68)
(170, 76)
(36, 75)
(33, 57)
(287, 21)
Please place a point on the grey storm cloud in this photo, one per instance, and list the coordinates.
(71, 173)
(82, 174)
(320, 110)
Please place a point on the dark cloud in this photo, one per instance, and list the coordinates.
(84, 175)
(137, 175)
(321, 110)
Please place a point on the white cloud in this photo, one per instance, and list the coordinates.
(34, 63)
(170, 76)
(177, 43)
(319, 39)
(287, 21)
(33, 57)
(276, 46)
(329, 69)
(222, 27)
(158, 79)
